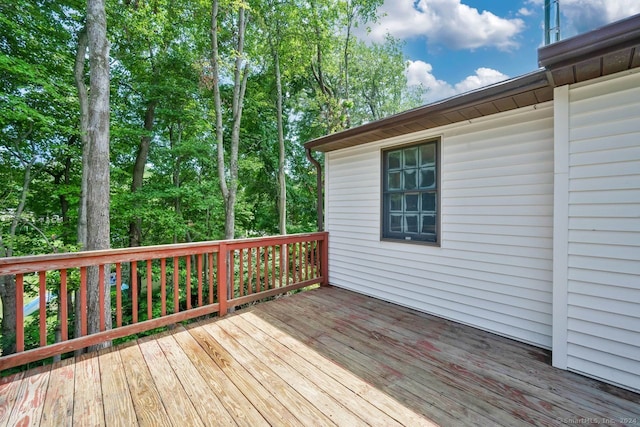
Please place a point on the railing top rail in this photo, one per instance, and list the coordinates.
(34, 263)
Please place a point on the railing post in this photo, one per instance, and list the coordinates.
(223, 255)
(324, 264)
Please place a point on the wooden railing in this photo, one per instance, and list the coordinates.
(152, 287)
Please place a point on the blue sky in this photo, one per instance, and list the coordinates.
(459, 45)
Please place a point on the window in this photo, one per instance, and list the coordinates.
(410, 192)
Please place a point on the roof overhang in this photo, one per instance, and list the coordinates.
(607, 50)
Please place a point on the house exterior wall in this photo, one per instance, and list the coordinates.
(493, 269)
(603, 217)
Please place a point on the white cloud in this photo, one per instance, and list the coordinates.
(448, 23)
(421, 73)
(525, 12)
(579, 16)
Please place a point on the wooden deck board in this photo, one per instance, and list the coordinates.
(490, 386)
(260, 397)
(58, 406)
(264, 368)
(150, 410)
(324, 357)
(209, 405)
(116, 397)
(9, 389)
(527, 363)
(30, 398)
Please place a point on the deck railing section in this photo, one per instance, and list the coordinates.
(151, 287)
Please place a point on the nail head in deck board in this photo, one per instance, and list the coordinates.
(264, 370)
(147, 403)
(87, 399)
(274, 412)
(204, 398)
(176, 402)
(240, 408)
(27, 409)
(58, 406)
(118, 405)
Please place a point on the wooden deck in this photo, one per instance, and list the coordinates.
(323, 357)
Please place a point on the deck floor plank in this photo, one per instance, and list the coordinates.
(527, 363)
(485, 379)
(27, 410)
(58, 406)
(118, 405)
(205, 399)
(410, 390)
(259, 396)
(9, 389)
(150, 410)
(287, 388)
(233, 399)
(323, 357)
(176, 401)
(324, 372)
(88, 407)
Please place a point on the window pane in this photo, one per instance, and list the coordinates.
(395, 202)
(411, 157)
(410, 179)
(427, 178)
(428, 224)
(395, 182)
(395, 158)
(428, 202)
(411, 223)
(428, 155)
(395, 223)
(411, 202)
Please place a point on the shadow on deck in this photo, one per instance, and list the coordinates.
(323, 357)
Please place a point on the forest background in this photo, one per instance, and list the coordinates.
(207, 97)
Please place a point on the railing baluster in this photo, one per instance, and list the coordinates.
(281, 264)
(176, 290)
(266, 268)
(43, 308)
(101, 319)
(249, 268)
(149, 291)
(64, 317)
(163, 286)
(241, 272)
(222, 280)
(134, 291)
(211, 264)
(232, 270)
(119, 294)
(19, 312)
(273, 267)
(258, 270)
(199, 280)
(188, 282)
(83, 301)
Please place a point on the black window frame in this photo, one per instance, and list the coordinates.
(415, 217)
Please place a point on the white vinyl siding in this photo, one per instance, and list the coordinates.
(603, 289)
(494, 267)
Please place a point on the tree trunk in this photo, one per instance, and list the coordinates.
(135, 227)
(229, 182)
(8, 283)
(83, 97)
(98, 236)
(282, 184)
